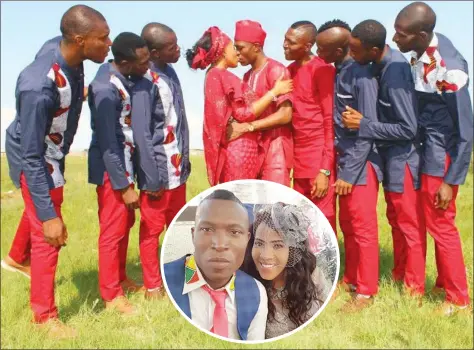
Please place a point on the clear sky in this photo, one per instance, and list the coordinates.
(25, 26)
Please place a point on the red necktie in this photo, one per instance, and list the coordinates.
(220, 321)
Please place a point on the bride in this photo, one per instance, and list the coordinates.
(279, 256)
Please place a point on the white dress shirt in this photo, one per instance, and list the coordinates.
(202, 308)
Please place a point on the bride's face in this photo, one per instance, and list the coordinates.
(269, 252)
(231, 55)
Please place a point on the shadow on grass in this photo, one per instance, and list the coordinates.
(87, 285)
(88, 294)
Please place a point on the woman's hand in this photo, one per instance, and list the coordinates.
(282, 87)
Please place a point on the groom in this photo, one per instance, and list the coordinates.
(210, 278)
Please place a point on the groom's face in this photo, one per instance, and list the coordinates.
(220, 239)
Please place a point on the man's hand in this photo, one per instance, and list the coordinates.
(351, 118)
(55, 232)
(155, 195)
(443, 196)
(130, 198)
(342, 187)
(320, 186)
(86, 92)
(235, 130)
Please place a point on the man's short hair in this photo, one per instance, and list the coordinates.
(223, 195)
(125, 45)
(420, 15)
(78, 20)
(153, 34)
(371, 33)
(335, 23)
(307, 25)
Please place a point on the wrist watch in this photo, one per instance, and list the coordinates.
(251, 127)
(325, 172)
(274, 97)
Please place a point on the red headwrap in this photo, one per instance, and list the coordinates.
(219, 41)
(249, 31)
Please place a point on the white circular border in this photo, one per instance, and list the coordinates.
(225, 186)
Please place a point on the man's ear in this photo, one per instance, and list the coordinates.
(423, 35)
(79, 40)
(374, 51)
(248, 236)
(154, 53)
(192, 232)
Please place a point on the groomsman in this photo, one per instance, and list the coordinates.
(49, 96)
(111, 165)
(395, 133)
(358, 166)
(313, 131)
(163, 149)
(441, 80)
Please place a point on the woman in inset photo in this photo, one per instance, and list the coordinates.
(281, 254)
(228, 99)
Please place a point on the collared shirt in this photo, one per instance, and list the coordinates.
(170, 127)
(49, 97)
(313, 105)
(202, 306)
(112, 143)
(261, 81)
(396, 129)
(441, 83)
(357, 88)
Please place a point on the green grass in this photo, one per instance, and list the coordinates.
(393, 321)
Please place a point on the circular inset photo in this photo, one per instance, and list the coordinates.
(250, 261)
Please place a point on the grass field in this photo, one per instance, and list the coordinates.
(392, 322)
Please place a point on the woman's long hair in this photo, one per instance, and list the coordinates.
(299, 289)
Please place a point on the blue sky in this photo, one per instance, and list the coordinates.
(26, 25)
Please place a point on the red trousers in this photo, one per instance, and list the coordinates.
(326, 204)
(405, 215)
(358, 221)
(442, 227)
(44, 257)
(20, 250)
(155, 214)
(115, 222)
(275, 167)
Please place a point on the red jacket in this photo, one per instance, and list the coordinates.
(313, 105)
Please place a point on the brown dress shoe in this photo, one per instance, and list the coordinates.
(349, 288)
(129, 286)
(356, 304)
(122, 305)
(11, 265)
(450, 309)
(341, 285)
(57, 330)
(155, 294)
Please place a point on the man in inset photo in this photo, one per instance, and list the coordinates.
(209, 281)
